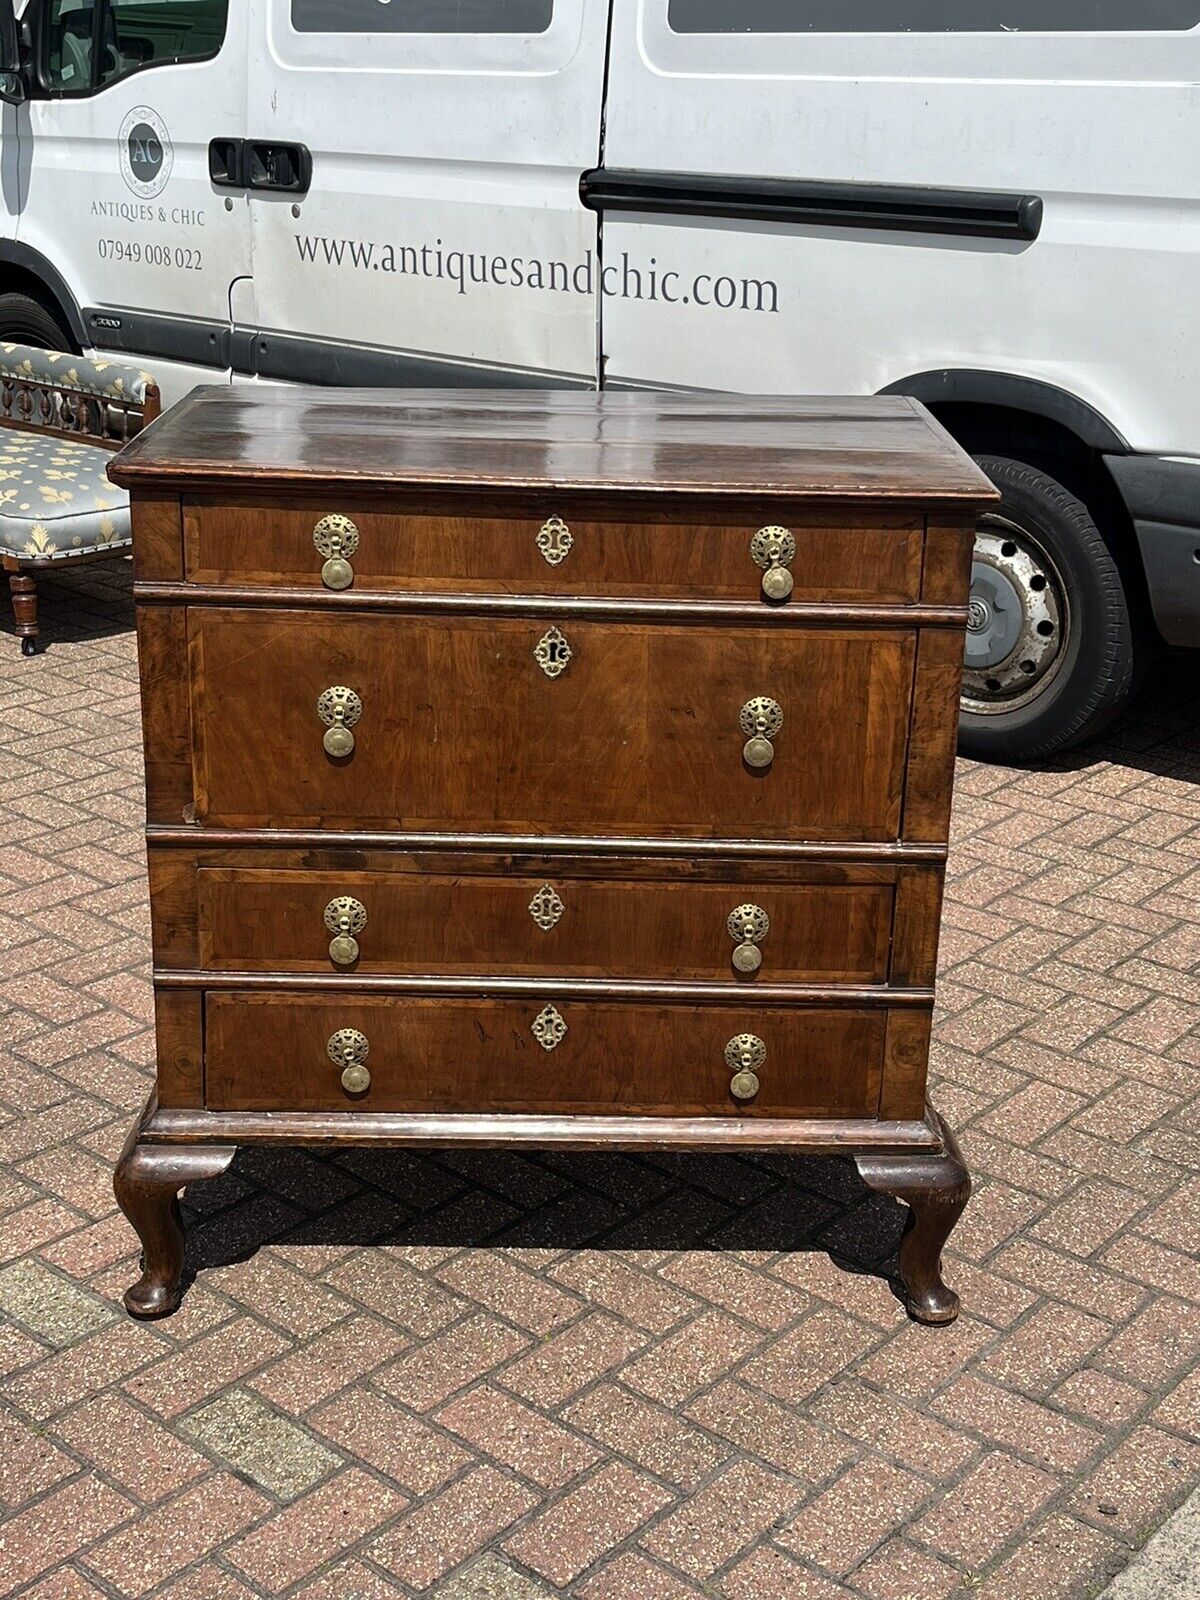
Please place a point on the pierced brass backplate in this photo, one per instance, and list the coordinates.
(748, 926)
(345, 917)
(744, 1056)
(549, 1029)
(760, 719)
(545, 908)
(555, 541)
(339, 709)
(336, 538)
(774, 550)
(552, 653)
(348, 1049)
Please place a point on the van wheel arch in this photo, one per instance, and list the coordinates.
(992, 429)
(1018, 396)
(1043, 467)
(1000, 413)
(24, 272)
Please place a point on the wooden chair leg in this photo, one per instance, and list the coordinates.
(24, 604)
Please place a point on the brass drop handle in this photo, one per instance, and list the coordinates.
(345, 918)
(348, 1049)
(339, 709)
(748, 926)
(774, 549)
(760, 720)
(744, 1056)
(336, 538)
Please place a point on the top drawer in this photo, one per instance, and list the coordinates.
(858, 557)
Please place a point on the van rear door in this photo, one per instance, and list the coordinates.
(116, 191)
(418, 216)
(996, 185)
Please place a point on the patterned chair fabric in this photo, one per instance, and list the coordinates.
(55, 500)
(106, 380)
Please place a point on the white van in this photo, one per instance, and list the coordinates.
(993, 205)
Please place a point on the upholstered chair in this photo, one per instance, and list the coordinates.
(61, 418)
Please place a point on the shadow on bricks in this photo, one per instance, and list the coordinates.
(553, 1201)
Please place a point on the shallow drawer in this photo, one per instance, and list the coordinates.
(496, 724)
(417, 922)
(877, 558)
(270, 1052)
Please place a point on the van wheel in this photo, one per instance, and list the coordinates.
(1050, 637)
(24, 320)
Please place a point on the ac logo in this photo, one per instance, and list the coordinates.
(146, 153)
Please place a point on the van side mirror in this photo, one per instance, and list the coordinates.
(12, 77)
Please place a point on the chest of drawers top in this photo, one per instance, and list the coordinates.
(724, 454)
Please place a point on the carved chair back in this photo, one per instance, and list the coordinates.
(74, 397)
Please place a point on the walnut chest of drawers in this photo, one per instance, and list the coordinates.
(568, 769)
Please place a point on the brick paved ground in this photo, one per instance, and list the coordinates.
(479, 1376)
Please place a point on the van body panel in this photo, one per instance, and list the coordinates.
(677, 194)
(115, 191)
(445, 169)
(1163, 501)
(10, 171)
(1102, 128)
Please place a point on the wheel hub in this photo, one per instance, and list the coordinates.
(979, 614)
(1015, 620)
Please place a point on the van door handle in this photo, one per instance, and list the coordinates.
(286, 167)
(227, 163)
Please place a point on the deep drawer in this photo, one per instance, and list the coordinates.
(634, 730)
(268, 1052)
(873, 558)
(254, 919)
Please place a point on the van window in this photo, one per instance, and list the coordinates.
(91, 43)
(932, 16)
(422, 16)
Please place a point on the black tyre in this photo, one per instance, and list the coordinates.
(1051, 640)
(24, 320)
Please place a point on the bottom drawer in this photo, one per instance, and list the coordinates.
(270, 1052)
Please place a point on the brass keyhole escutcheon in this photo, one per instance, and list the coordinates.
(348, 1049)
(554, 541)
(345, 917)
(546, 907)
(548, 1027)
(339, 709)
(336, 538)
(552, 653)
(774, 549)
(748, 926)
(744, 1056)
(761, 719)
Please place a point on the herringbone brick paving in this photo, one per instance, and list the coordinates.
(482, 1375)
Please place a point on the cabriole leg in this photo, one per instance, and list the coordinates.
(147, 1184)
(936, 1188)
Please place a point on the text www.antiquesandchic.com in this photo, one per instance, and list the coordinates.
(468, 269)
